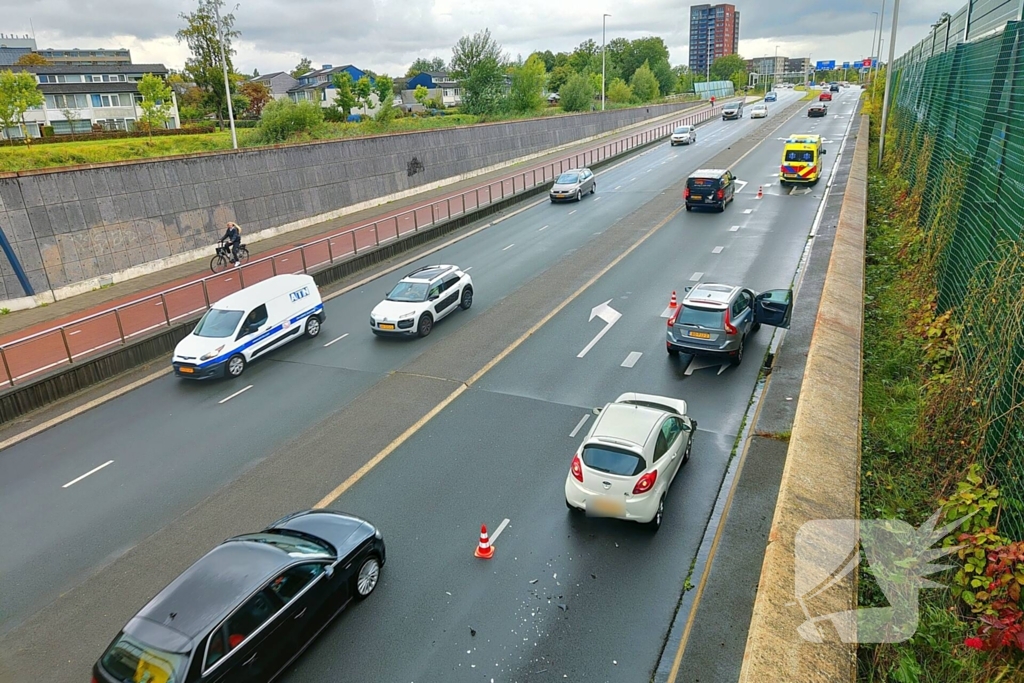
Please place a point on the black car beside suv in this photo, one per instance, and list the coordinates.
(710, 188)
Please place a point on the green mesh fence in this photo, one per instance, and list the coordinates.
(958, 135)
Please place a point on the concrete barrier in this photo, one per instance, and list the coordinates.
(68, 380)
(78, 228)
(821, 480)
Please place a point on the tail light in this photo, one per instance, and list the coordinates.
(675, 316)
(729, 327)
(686, 193)
(721, 194)
(646, 483)
(577, 468)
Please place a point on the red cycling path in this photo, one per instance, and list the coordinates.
(145, 306)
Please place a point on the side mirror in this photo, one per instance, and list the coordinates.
(824, 151)
(597, 411)
(685, 427)
(687, 289)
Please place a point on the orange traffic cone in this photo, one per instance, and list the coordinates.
(760, 191)
(672, 303)
(484, 549)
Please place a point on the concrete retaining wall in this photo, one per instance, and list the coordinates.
(81, 225)
(821, 480)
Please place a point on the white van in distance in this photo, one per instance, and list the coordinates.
(249, 324)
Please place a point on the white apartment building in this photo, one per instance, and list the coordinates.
(104, 95)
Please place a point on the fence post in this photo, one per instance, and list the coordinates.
(376, 235)
(432, 219)
(476, 192)
(415, 221)
(302, 253)
(241, 277)
(502, 189)
(66, 346)
(449, 202)
(524, 181)
(206, 295)
(7, 368)
(273, 265)
(330, 251)
(120, 327)
(167, 314)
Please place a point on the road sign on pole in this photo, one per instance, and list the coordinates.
(826, 66)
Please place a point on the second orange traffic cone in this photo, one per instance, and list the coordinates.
(672, 303)
(484, 550)
(760, 191)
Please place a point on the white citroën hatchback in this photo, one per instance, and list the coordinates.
(629, 458)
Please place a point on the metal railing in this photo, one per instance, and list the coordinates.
(67, 343)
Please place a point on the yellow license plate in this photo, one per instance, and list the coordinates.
(700, 335)
(387, 326)
(187, 371)
(606, 506)
(696, 196)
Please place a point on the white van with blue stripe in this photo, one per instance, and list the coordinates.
(249, 324)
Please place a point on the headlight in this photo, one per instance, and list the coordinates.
(212, 354)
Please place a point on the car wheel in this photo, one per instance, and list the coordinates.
(467, 298)
(689, 208)
(755, 328)
(426, 325)
(367, 577)
(721, 208)
(312, 326)
(738, 358)
(655, 523)
(593, 188)
(686, 453)
(236, 365)
(579, 195)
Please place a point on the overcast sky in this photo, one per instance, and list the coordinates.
(386, 35)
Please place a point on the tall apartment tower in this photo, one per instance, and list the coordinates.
(714, 33)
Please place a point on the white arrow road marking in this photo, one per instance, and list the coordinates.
(734, 228)
(606, 313)
(631, 359)
(696, 276)
(717, 250)
(497, 532)
(741, 184)
(579, 426)
(702, 364)
(90, 472)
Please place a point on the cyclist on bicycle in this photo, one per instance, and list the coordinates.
(233, 236)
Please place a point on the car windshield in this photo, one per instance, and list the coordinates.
(294, 545)
(568, 179)
(613, 461)
(709, 318)
(793, 155)
(409, 291)
(218, 323)
(680, 131)
(130, 660)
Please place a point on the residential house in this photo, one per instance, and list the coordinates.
(13, 47)
(104, 95)
(439, 85)
(317, 86)
(278, 83)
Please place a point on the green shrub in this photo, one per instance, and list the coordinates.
(577, 94)
(283, 118)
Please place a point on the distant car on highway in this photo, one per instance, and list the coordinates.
(683, 135)
(759, 111)
(248, 324)
(572, 185)
(249, 607)
(732, 110)
(629, 458)
(825, 97)
(716, 319)
(420, 299)
(818, 110)
(770, 96)
(710, 188)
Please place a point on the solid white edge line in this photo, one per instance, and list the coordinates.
(90, 472)
(579, 426)
(237, 393)
(335, 340)
(497, 532)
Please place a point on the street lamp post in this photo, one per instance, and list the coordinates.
(604, 20)
(888, 79)
(227, 84)
(877, 57)
(874, 38)
(775, 68)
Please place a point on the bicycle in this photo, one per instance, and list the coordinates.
(222, 261)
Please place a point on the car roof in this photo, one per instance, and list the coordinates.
(622, 422)
(708, 173)
(573, 170)
(263, 291)
(218, 582)
(711, 294)
(429, 273)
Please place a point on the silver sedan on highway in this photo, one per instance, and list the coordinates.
(572, 185)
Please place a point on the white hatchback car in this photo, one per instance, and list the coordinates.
(759, 111)
(629, 459)
(420, 299)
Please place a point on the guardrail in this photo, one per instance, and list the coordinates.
(65, 344)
